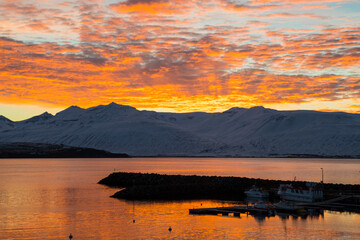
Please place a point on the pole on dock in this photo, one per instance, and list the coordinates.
(322, 175)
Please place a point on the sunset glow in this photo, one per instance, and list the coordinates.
(179, 55)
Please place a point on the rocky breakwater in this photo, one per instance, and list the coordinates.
(153, 186)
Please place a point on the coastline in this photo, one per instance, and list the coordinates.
(44, 150)
(41, 150)
(304, 156)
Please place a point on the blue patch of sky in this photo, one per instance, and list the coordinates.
(297, 23)
(346, 10)
(320, 72)
(114, 1)
(38, 38)
(347, 7)
(217, 18)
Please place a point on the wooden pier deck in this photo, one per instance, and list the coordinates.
(225, 211)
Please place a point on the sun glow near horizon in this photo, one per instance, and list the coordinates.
(17, 112)
(179, 56)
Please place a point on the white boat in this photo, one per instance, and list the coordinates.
(255, 192)
(309, 192)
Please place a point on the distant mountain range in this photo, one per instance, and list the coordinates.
(257, 132)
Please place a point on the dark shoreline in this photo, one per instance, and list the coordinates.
(44, 150)
(41, 150)
(300, 156)
(151, 186)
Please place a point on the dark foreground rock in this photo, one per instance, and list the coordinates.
(41, 150)
(180, 187)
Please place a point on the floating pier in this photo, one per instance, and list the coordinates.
(226, 211)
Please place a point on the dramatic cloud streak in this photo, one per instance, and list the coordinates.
(180, 55)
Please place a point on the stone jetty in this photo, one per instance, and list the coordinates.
(151, 186)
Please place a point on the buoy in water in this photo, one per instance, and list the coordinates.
(134, 221)
(70, 236)
(170, 229)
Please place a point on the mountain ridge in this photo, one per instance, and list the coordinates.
(257, 131)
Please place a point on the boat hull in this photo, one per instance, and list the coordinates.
(296, 198)
(256, 195)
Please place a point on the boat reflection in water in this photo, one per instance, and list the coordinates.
(289, 207)
(262, 218)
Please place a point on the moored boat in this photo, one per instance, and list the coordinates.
(255, 192)
(308, 192)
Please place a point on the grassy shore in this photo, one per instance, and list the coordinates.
(150, 186)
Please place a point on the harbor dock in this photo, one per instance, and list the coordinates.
(336, 204)
(226, 211)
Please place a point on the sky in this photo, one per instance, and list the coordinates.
(179, 55)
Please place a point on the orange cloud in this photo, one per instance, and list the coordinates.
(317, 6)
(151, 53)
(152, 7)
(65, 79)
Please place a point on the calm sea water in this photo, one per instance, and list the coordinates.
(51, 198)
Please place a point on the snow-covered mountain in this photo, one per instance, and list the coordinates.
(236, 132)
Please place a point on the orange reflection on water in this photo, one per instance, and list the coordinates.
(51, 198)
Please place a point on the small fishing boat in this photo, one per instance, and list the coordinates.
(255, 192)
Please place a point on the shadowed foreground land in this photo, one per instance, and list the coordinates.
(178, 187)
(43, 150)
